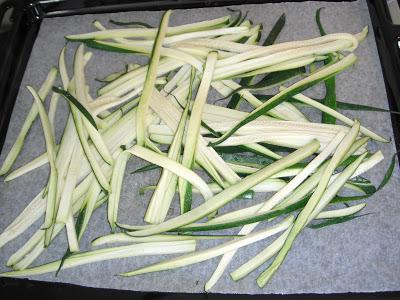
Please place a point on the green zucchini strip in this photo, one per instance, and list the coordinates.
(193, 130)
(337, 115)
(80, 92)
(150, 80)
(313, 202)
(51, 152)
(276, 199)
(142, 249)
(294, 89)
(231, 192)
(94, 164)
(30, 118)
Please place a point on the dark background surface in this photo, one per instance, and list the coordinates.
(18, 30)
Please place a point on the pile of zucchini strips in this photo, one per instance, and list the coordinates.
(160, 113)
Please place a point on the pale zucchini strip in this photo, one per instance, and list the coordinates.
(231, 192)
(51, 152)
(94, 164)
(193, 129)
(283, 110)
(205, 156)
(300, 85)
(64, 213)
(32, 165)
(127, 239)
(313, 202)
(150, 80)
(172, 166)
(337, 115)
(37, 206)
(136, 78)
(209, 253)
(80, 93)
(150, 156)
(273, 59)
(261, 257)
(327, 196)
(142, 249)
(52, 111)
(152, 32)
(342, 212)
(161, 199)
(268, 50)
(35, 245)
(274, 200)
(30, 118)
(276, 245)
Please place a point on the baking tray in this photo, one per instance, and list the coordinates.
(22, 33)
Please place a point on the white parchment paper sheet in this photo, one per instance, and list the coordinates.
(362, 255)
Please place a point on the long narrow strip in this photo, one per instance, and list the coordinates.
(304, 215)
(51, 153)
(292, 90)
(206, 254)
(150, 80)
(30, 118)
(193, 130)
(143, 249)
(232, 192)
(274, 200)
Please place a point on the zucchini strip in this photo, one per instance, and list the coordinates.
(274, 200)
(50, 146)
(125, 238)
(231, 192)
(337, 115)
(151, 32)
(313, 202)
(261, 257)
(150, 80)
(161, 199)
(30, 118)
(203, 255)
(299, 86)
(193, 130)
(142, 249)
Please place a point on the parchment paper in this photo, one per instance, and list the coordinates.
(362, 255)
